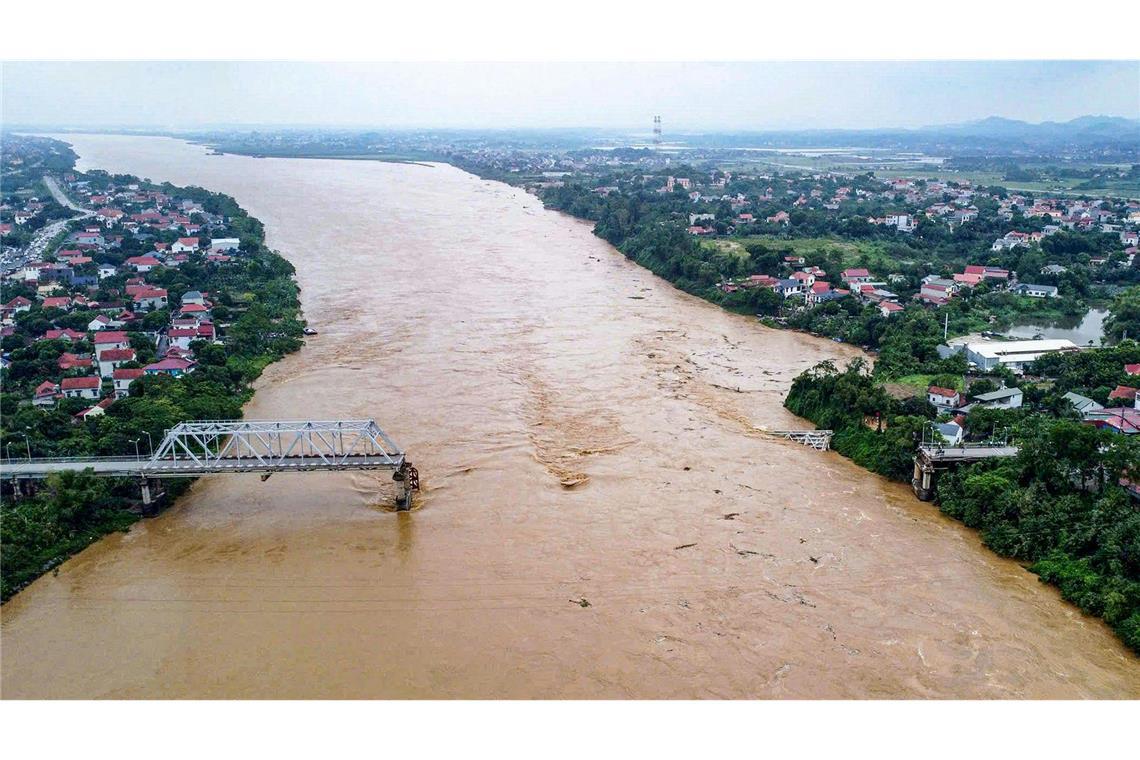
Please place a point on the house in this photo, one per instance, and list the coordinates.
(148, 298)
(193, 296)
(101, 322)
(122, 378)
(17, 305)
(66, 333)
(97, 410)
(856, 276)
(1124, 393)
(1003, 398)
(1082, 404)
(887, 308)
(789, 287)
(943, 398)
(111, 358)
(1132, 369)
(81, 387)
(111, 339)
(181, 336)
(68, 361)
(779, 218)
(106, 270)
(46, 394)
(185, 245)
(57, 302)
(170, 365)
(1053, 269)
(1035, 291)
(1121, 420)
(143, 264)
(951, 432)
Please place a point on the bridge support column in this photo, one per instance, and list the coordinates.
(924, 480)
(151, 492)
(407, 480)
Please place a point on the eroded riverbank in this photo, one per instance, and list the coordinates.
(508, 349)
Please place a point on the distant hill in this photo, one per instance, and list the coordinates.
(1112, 135)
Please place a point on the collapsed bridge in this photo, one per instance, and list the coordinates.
(209, 447)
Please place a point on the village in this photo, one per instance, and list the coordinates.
(92, 316)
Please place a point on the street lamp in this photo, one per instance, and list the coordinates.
(136, 443)
(149, 442)
(8, 449)
(28, 444)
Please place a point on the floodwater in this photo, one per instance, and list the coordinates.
(509, 351)
(1085, 330)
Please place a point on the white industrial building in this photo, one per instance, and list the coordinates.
(1014, 354)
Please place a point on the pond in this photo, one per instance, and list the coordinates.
(1083, 331)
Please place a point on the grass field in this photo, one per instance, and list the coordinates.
(850, 250)
(888, 168)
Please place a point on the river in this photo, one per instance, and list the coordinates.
(509, 350)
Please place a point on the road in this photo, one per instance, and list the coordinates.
(37, 248)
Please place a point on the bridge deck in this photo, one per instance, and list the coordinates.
(965, 453)
(113, 467)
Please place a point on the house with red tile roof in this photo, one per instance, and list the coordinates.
(185, 244)
(122, 378)
(46, 394)
(81, 387)
(143, 264)
(943, 398)
(111, 358)
(105, 339)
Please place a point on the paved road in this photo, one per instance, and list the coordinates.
(37, 247)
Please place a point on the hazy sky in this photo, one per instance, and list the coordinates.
(760, 95)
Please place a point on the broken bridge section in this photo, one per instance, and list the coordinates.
(207, 447)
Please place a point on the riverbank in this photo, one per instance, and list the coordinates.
(255, 308)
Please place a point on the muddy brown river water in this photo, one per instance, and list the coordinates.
(509, 350)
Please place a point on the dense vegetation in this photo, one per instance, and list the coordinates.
(1056, 506)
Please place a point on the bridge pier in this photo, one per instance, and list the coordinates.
(407, 479)
(924, 480)
(151, 491)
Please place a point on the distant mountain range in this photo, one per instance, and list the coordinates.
(1117, 135)
(1080, 128)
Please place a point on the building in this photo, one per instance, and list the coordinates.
(111, 358)
(1035, 291)
(1014, 354)
(81, 387)
(122, 378)
(1003, 398)
(1082, 404)
(951, 432)
(943, 398)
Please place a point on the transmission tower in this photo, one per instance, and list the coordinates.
(656, 130)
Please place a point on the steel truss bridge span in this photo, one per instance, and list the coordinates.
(231, 446)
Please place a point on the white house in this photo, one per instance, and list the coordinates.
(943, 398)
(185, 245)
(123, 378)
(1035, 291)
(106, 270)
(111, 358)
(81, 387)
(951, 432)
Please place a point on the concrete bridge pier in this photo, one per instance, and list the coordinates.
(151, 492)
(924, 480)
